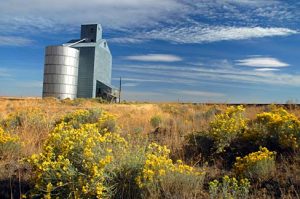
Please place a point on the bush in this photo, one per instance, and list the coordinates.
(227, 126)
(257, 165)
(155, 121)
(74, 160)
(33, 118)
(229, 188)
(224, 131)
(161, 178)
(103, 119)
(211, 112)
(181, 185)
(199, 142)
(82, 159)
(9, 145)
(123, 171)
(278, 127)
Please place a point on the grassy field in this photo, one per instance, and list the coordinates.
(87, 149)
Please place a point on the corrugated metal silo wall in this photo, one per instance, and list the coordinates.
(103, 66)
(86, 72)
(60, 72)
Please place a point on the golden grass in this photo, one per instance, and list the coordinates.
(178, 120)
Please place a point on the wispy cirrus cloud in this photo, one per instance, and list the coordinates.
(193, 75)
(154, 58)
(126, 40)
(266, 69)
(168, 20)
(111, 13)
(265, 62)
(55, 15)
(197, 93)
(173, 95)
(128, 84)
(15, 41)
(206, 34)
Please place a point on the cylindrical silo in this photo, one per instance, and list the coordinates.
(61, 72)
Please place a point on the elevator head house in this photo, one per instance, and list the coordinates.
(80, 68)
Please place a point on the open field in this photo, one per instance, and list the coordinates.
(226, 152)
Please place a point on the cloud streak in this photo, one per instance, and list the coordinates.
(207, 34)
(197, 93)
(111, 13)
(191, 75)
(264, 62)
(266, 69)
(15, 41)
(154, 58)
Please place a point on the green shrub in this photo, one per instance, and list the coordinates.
(9, 145)
(180, 185)
(161, 178)
(123, 171)
(81, 116)
(229, 188)
(257, 165)
(213, 111)
(103, 119)
(73, 162)
(227, 126)
(33, 118)
(278, 127)
(155, 121)
(199, 143)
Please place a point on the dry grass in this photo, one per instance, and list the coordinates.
(178, 120)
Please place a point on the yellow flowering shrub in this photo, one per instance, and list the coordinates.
(227, 126)
(281, 127)
(74, 160)
(9, 144)
(229, 188)
(103, 119)
(257, 165)
(161, 174)
(5, 137)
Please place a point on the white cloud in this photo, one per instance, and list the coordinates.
(266, 69)
(172, 95)
(212, 74)
(111, 13)
(264, 62)
(204, 34)
(143, 96)
(169, 20)
(154, 58)
(125, 40)
(248, 12)
(197, 93)
(137, 79)
(130, 84)
(152, 79)
(14, 41)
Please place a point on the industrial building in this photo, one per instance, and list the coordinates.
(80, 68)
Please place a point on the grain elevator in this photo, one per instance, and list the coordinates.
(80, 68)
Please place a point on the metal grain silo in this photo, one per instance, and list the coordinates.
(61, 72)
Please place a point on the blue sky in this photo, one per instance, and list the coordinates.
(165, 50)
